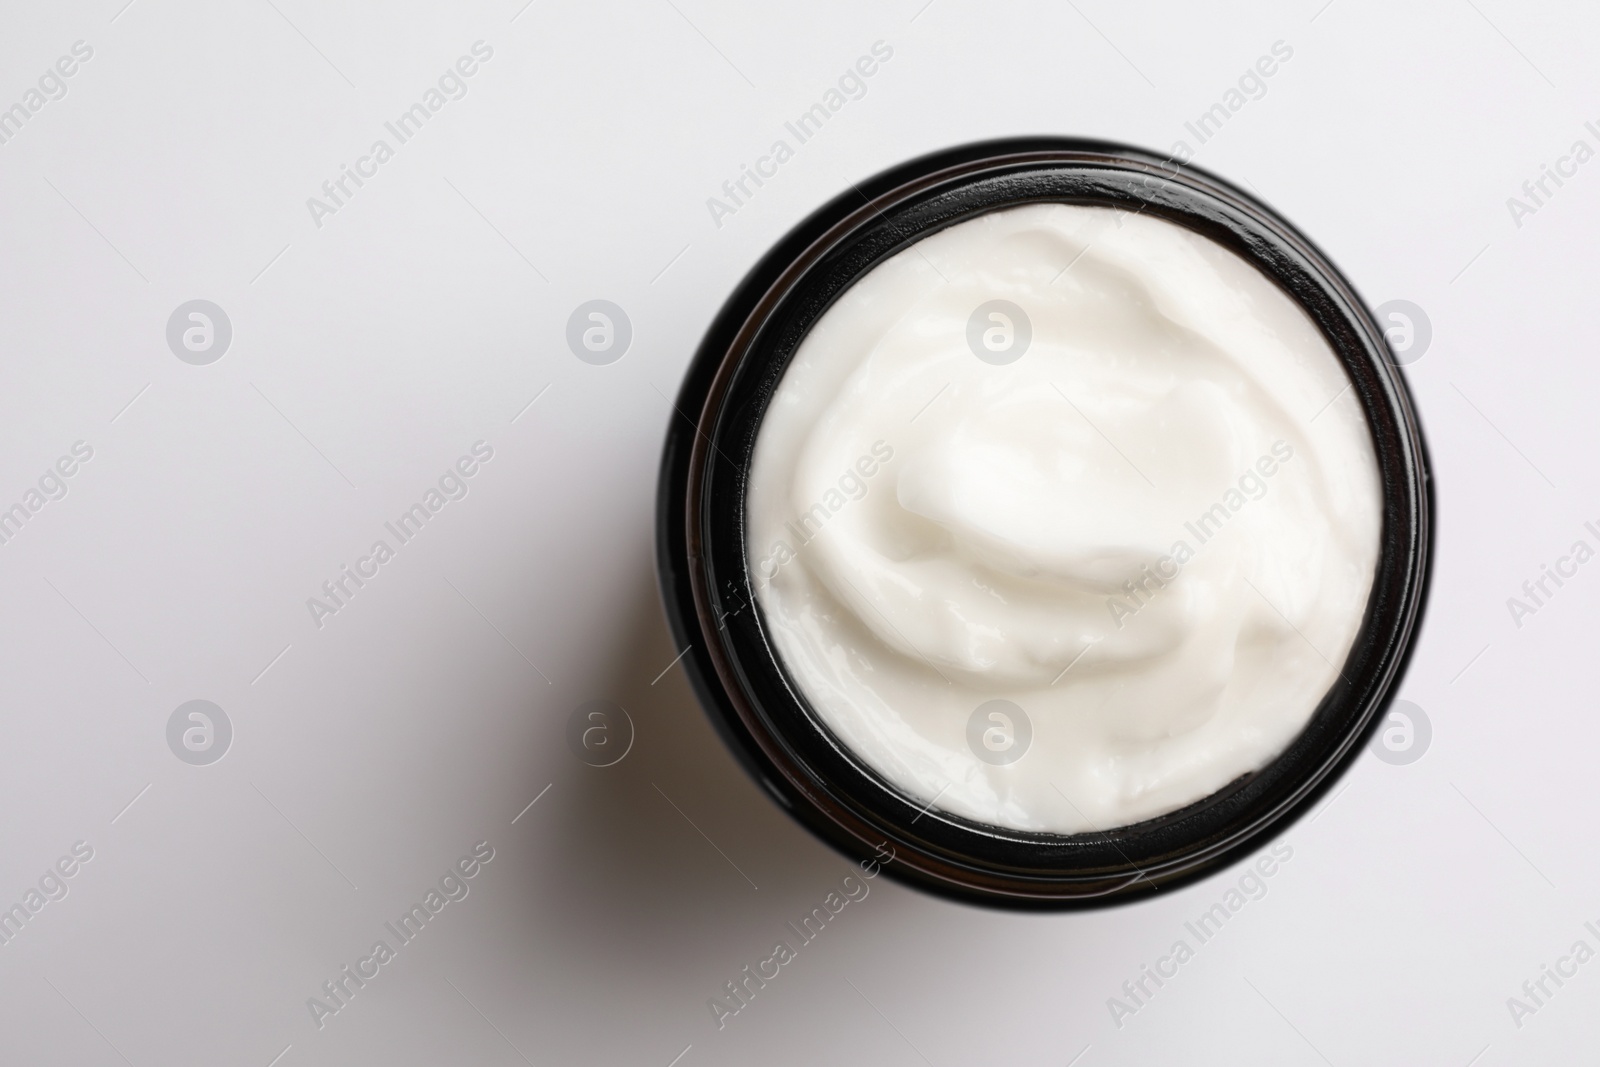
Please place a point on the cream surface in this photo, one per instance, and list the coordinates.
(1077, 558)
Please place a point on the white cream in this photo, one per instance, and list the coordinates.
(1154, 532)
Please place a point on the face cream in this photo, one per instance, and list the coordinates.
(1063, 518)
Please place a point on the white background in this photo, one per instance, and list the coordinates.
(372, 351)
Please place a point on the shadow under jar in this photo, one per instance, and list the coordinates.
(817, 730)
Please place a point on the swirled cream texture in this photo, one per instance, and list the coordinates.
(1063, 518)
